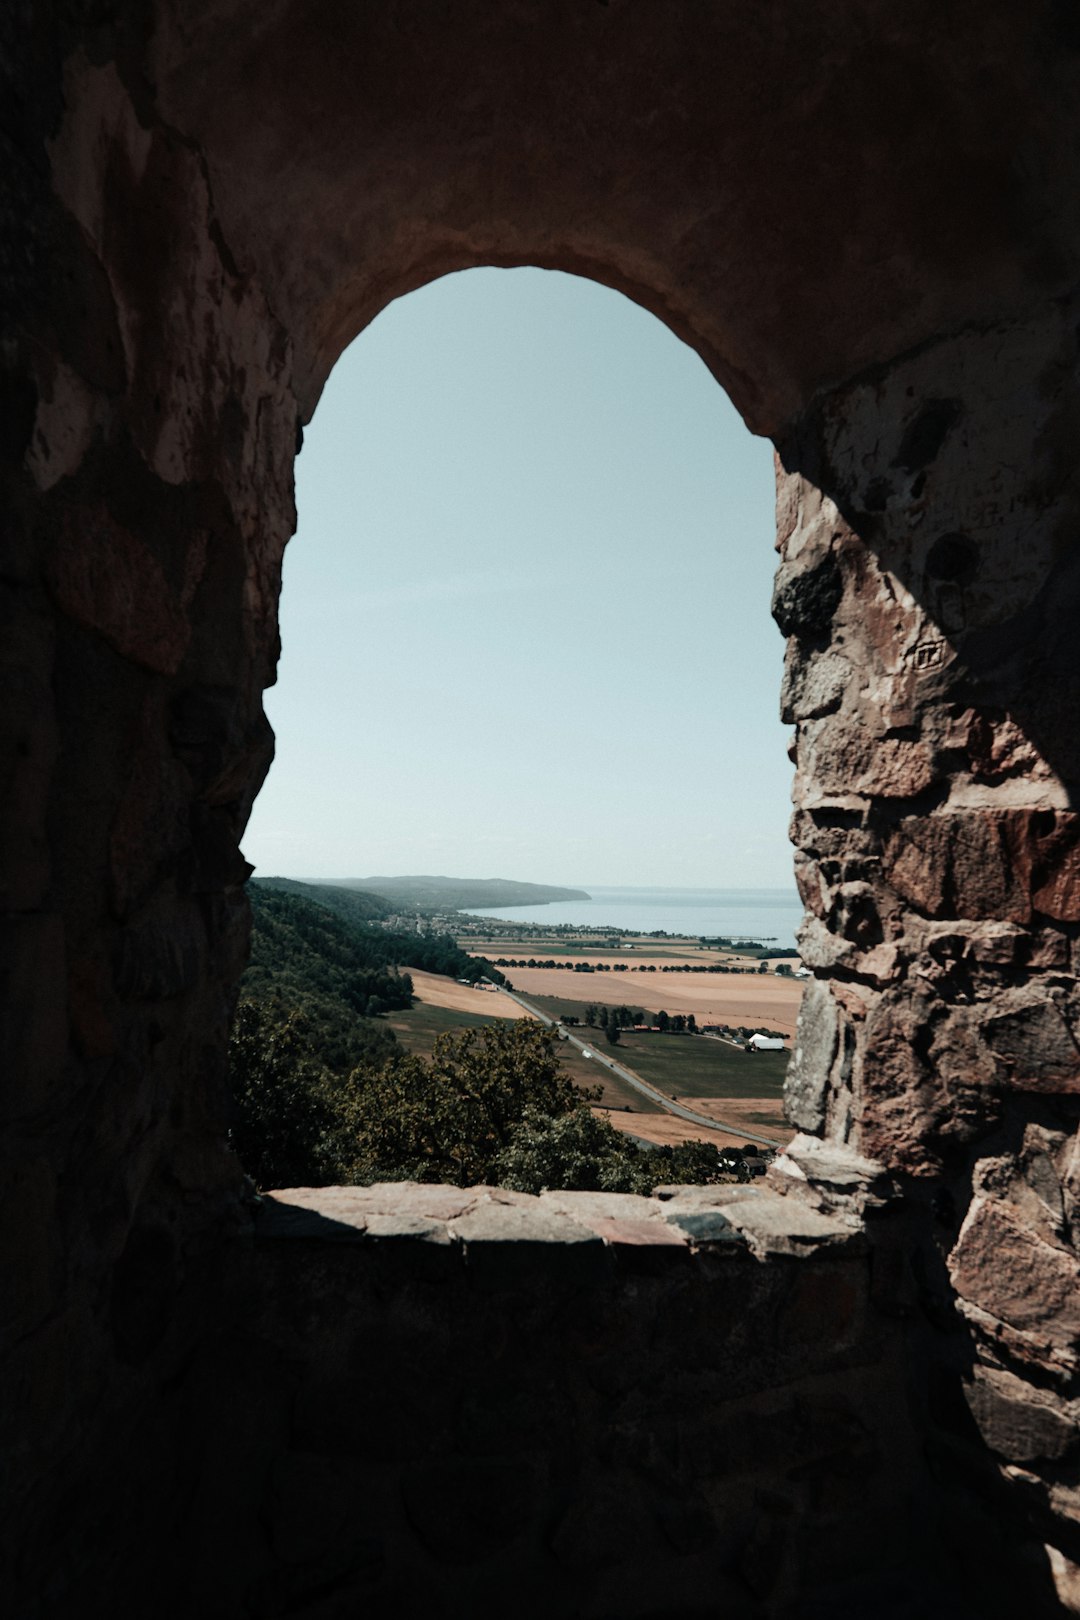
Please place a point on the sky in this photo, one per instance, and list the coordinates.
(525, 616)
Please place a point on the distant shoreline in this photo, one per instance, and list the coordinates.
(768, 917)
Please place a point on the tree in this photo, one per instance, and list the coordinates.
(575, 1150)
(663, 1022)
(611, 1030)
(282, 1117)
(450, 1118)
(578, 1150)
(691, 1023)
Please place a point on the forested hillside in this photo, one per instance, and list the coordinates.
(460, 894)
(355, 905)
(277, 899)
(299, 948)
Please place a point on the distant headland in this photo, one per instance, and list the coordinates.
(460, 894)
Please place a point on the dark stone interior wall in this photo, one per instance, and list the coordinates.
(865, 224)
(149, 435)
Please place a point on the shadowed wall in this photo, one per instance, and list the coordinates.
(864, 222)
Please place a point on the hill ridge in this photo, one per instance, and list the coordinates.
(459, 894)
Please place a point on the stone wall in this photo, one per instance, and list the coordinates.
(931, 673)
(432, 1400)
(866, 227)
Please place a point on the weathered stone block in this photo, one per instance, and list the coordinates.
(1035, 1046)
(999, 865)
(813, 686)
(708, 1226)
(787, 1226)
(817, 1040)
(504, 1241)
(1004, 1270)
(1021, 1423)
(831, 1170)
(806, 598)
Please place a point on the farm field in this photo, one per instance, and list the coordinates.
(418, 1029)
(664, 1129)
(751, 999)
(438, 991)
(692, 1066)
(708, 1075)
(698, 1064)
(755, 1113)
(614, 1093)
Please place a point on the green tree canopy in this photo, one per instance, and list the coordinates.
(282, 1114)
(450, 1118)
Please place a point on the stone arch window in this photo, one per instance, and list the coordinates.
(520, 606)
(866, 229)
(551, 547)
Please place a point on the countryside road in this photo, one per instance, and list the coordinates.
(635, 1080)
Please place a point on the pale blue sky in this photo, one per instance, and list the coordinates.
(525, 616)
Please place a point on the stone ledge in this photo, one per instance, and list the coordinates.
(832, 1175)
(755, 1221)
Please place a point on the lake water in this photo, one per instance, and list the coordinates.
(772, 914)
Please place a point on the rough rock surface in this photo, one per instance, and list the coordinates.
(863, 219)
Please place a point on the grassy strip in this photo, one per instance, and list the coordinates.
(419, 1027)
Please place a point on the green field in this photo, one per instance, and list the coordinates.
(686, 1065)
(681, 1065)
(419, 1027)
(614, 1093)
(565, 1007)
(697, 1066)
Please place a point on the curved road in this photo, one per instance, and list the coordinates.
(635, 1080)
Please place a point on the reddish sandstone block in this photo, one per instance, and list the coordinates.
(1002, 1268)
(1035, 1046)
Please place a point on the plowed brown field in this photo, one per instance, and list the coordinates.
(440, 992)
(713, 998)
(669, 1129)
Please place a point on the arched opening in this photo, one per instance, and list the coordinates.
(526, 637)
(525, 484)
